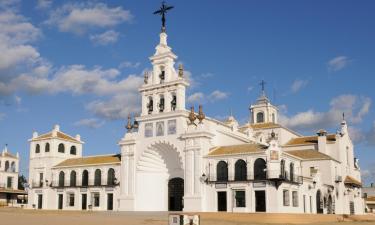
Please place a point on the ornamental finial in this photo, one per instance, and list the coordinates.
(201, 115)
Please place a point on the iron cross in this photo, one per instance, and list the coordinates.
(262, 84)
(162, 11)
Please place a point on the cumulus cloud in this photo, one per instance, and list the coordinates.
(196, 97)
(44, 4)
(79, 17)
(354, 107)
(108, 37)
(128, 64)
(338, 63)
(89, 122)
(298, 84)
(199, 97)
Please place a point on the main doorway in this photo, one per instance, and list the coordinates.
(84, 201)
(40, 201)
(110, 201)
(60, 202)
(319, 202)
(260, 201)
(175, 194)
(222, 201)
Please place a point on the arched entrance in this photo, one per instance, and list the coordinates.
(330, 205)
(175, 194)
(319, 203)
(159, 178)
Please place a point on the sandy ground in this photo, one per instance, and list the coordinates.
(10, 216)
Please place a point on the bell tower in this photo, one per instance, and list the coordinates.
(263, 111)
(164, 87)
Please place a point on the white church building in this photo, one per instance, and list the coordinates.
(174, 159)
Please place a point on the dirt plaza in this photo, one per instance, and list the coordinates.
(11, 216)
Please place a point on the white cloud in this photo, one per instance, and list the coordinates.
(370, 136)
(250, 88)
(80, 17)
(338, 63)
(128, 64)
(356, 134)
(89, 122)
(354, 107)
(108, 37)
(196, 97)
(44, 4)
(218, 95)
(298, 84)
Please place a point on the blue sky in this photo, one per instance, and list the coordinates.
(79, 65)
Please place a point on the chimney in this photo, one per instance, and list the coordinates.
(322, 141)
(56, 128)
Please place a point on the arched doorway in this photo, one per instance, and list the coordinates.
(260, 169)
(330, 205)
(175, 194)
(319, 203)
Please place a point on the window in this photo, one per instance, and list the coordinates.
(174, 102)
(285, 197)
(162, 75)
(13, 167)
(73, 178)
(85, 178)
(98, 177)
(71, 199)
(161, 104)
(6, 169)
(171, 126)
(9, 182)
(240, 170)
(150, 105)
(148, 130)
(222, 171)
(46, 148)
(260, 169)
(61, 148)
(295, 198)
(260, 117)
(40, 179)
(61, 179)
(282, 169)
(96, 200)
(160, 129)
(291, 171)
(111, 177)
(37, 148)
(240, 199)
(73, 150)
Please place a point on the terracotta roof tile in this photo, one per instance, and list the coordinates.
(370, 198)
(309, 154)
(265, 125)
(308, 140)
(352, 180)
(236, 149)
(9, 155)
(60, 135)
(12, 191)
(90, 160)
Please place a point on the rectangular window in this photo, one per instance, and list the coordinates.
(148, 130)
(96, 200)
(160, 129)
(240, 199)
(295, 198)
(71, 199)
(9, 182)
(171, 126)
(286, 197)
(40, 179)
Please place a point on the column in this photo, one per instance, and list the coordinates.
(167, 101)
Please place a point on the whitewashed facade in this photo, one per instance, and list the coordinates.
(176, 159)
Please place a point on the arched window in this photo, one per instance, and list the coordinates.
(291, 171)
(85, 178)
(260, 172)
(240, 170)
(98, 177)
(162, 74)
(37, 148)
(61, 179)
(161, 103)
(6, 166)
(260, 117)
(46, 148)
(111, 177)
(222, 171)
(174, 102)
(13, 167)
(282, 169)
(150, 105)
(61, 148)
(73, 150)
(73, 178)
